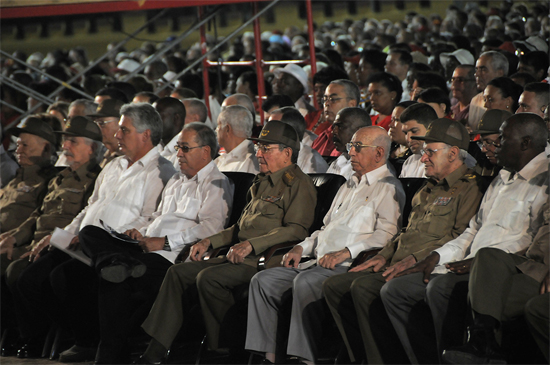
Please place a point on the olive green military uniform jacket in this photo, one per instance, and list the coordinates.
(67, 195)
(24, 194)
(440, 212)
(281, 208)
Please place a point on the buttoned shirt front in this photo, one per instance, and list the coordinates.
(280, 209)
(310, 161)
(364, 214)
(23, 194)
(191, 209)
(67, 195)
(242, 159)
(413, 167)
(341, 166)
(509, 216)
(125, 196)
(440, 212)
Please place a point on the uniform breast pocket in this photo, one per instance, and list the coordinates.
(267, 215)
(69, 203)
(362, 219)
(514, 213)
(441, 220)
(188, 208)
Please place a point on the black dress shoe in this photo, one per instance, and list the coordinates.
(121, 269)
(481, 348)
(143, 360)
(29, 351)
(8, 350)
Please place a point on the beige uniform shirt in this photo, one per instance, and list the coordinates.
(23, 194)
(67, 194)
(440, 212)
(280, 208)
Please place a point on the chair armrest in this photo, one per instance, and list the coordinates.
(215, 252)
(184, 254)
(364, 256)
(268, 255)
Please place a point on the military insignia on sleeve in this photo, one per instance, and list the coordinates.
(442, 200)
(25, 189)
(271, 198)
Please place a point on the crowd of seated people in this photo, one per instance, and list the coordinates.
(117, 211)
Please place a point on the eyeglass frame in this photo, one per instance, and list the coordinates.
(185, 149)
(265, 148)
(430, 152)
(358, 146)
(332, 99)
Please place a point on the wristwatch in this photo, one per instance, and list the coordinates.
(166, 244)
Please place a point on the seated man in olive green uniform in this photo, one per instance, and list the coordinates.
(67, 194)
(441, 210)
(26, 191)
(280, 205)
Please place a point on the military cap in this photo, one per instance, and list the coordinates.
(82, 127)
(278, 132)
(491, 121)
(36, 126)
(447, 131)
(108, 108)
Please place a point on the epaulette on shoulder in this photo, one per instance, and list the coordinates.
(289, 177)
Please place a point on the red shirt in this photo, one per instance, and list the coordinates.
(324, 145)
(312, 119)
(384, 123)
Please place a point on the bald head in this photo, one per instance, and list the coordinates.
(522, 137)
(240, 99)
(370, 149)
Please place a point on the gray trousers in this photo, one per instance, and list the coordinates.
(214, 279)
(401, 294)
(269, 291)
(536, 315)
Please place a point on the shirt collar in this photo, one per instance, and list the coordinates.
(152, 155)
(275, 177)
(202, 174)
(453, 177)
(170, 147)
(242, 148)
(537, 165)
(372, 176)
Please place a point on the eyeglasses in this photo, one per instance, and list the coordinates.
(430, 152)
(460, 80)
(331, 99)
(489, 143)
(264, 148)
(185, 149)
(102, 123)
(358, 146)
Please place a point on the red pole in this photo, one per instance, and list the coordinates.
(259, 62)
(205, 68)
(311, 46)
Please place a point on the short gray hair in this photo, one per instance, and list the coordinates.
(196, 106)
(205, 136)
(498, 61)
(89, 106)
(350, 89)
(144, 116)
(97, 147)
(239, 118)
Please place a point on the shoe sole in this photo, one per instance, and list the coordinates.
(115, 273)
